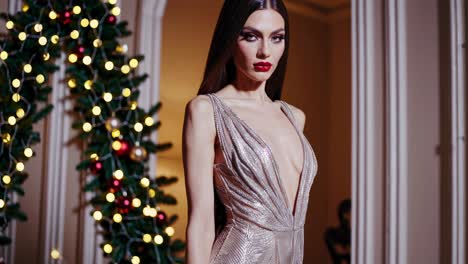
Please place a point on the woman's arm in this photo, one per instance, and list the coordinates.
(198, 155)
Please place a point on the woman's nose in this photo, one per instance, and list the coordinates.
(264, 50)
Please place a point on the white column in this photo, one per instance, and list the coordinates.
(149, 44)
(367, 134)
(458, 130)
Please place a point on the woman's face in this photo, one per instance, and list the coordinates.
(260, 45)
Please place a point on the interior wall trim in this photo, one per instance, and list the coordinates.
(458, 130)
(397, 152)
(367, 133)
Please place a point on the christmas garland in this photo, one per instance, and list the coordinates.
(103, 86)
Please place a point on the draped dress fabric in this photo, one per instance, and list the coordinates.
(261, 227)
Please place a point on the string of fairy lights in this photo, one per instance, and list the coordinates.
(103, 84)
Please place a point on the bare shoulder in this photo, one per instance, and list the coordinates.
(199, 112)
(299, 115)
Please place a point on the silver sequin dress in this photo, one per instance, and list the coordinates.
(260, 228)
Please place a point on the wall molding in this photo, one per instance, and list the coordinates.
(458, 130)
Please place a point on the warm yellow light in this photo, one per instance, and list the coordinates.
(42, 41)
(25, 8)
(153, 212)
(107, 97)
(46, 56)
(27, 68)
(149, 121)
(117, 218)
(170, 231)
(115, 11)
(112, 2)
(16, 97)
(136, 202)
(75, 34)
(94, 23)
(6, 179)
(133, 105)
(158, 239)
(88, 84)
(116, 145)
(12, 120)
(72, 58)
(110, 197)
(107, 248)
(38, 27)
(97, 43)
(135, 260)
(97, 215)
(55, 39)
(126, 92)
(76, 10)
(16, 83)
(55, 254)
(3, 55)
(52, 15)
(147, 211)
(145, 182)
(22, 36)
(151, 193)
(20, 166)
(147, 238)
(118, 174)
(6, 138)
(125, 69)
(40, 78)
(28, 152)
(94, 156)
(96, 110)
(9, 24)
(84, 22)
(138, 127)
(72, 83)
(87, 60)
(133, 63)
(2, 203)
(20, 113)
(115, 133)
(87, 127)
(109, 65)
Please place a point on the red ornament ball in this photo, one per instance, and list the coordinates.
(111, 19)
(161, 218)
(124, 149)
(115, 185)
(96, 167)
(65, 17)
(124, 204)
(79, 51)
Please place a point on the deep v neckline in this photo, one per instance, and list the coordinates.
(292, 211)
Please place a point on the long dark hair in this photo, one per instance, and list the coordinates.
(220, 69)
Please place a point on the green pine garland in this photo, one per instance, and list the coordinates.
(103, 86)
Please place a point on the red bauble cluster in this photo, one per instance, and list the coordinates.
(124, 204)
(79, 51)
(65, 17)
(161, 218)
(111, 19)
(124, 149)
(96, 167)
(114, 185)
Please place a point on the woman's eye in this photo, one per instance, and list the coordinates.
(278, 38)
(248, 36)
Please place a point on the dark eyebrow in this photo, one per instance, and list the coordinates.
(259, 33)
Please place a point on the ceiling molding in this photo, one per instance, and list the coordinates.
(321, 13)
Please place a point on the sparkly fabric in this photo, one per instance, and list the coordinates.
(260, 228)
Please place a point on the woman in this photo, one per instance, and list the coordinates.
(248, 165)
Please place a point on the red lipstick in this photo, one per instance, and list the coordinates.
(262, 66)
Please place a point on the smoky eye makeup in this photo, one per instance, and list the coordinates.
(251, 36)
